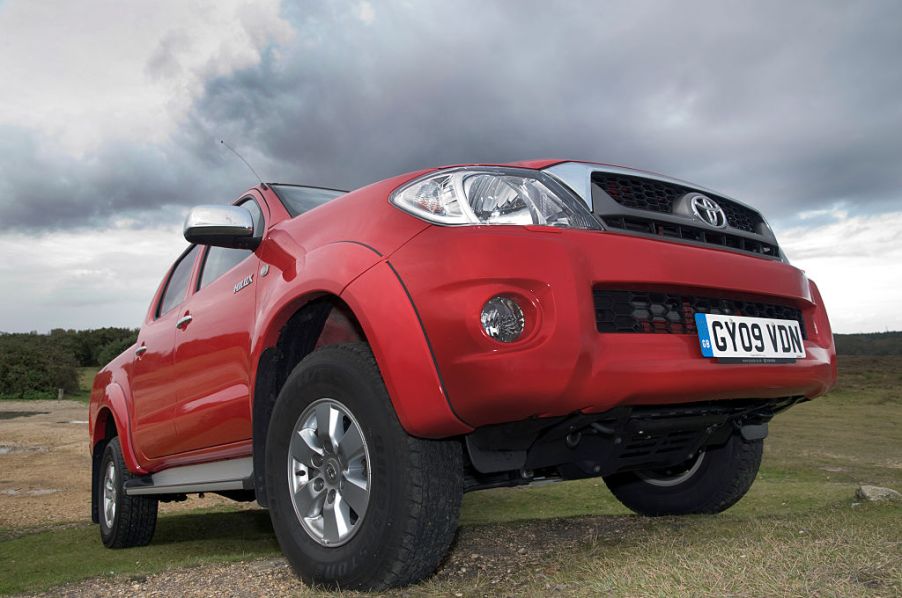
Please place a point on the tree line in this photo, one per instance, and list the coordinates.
(872, 343)
(34, 366)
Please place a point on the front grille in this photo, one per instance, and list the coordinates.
(690, 233)
(740, 216)
(628, 311)
(638, 193)
(658, 196)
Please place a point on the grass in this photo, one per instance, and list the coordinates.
(29, 395)
(798, 532)
(854, 435)
(42, 560)
(832, 551)
(85, 381)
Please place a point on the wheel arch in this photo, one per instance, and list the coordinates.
(375, 308)
(104, 429)
(320, 319)
(403, 351)
(111, 414)
(109, 420)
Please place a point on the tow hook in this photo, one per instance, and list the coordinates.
(752, 432)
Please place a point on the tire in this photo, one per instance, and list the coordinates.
(414, 486)
(125, 521)
(711, 483)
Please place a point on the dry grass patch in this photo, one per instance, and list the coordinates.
(798, 532)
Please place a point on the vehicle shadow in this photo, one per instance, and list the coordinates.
(216, 527)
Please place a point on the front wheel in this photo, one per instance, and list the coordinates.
(356, 503)
(710, 482)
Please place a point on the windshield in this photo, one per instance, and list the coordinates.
(298, 200)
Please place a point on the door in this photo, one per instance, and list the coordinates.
(212, 350)
(152, 381)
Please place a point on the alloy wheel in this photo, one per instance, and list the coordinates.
(109, 495)
(328, 472)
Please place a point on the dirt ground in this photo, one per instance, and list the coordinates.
(45, 466)
(45, 482)
(801, 531)
(519, 559)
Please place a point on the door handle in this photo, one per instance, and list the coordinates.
(141, 350)
(183, 321)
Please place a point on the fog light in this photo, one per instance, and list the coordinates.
(502, 319)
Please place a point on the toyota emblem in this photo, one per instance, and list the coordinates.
(707, 210)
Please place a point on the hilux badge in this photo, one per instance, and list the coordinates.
(244, 282)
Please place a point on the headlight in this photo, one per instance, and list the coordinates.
(493, 196)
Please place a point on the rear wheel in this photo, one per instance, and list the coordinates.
(356, 503)
(125, 521)
(710, 482)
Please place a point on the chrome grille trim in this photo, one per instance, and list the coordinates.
(578, 176)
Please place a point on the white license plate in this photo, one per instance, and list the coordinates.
(752, 340)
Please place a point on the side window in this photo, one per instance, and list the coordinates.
(220, 260)
(178, 283)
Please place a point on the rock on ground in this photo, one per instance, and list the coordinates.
(877, 494)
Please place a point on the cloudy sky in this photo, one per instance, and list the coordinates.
(111, 112)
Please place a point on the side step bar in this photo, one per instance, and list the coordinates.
(233, 474)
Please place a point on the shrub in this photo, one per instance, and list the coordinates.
(35, 366)
(113, 348)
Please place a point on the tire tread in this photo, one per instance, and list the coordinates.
(425, 541)
(426, 505)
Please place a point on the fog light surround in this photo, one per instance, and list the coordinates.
(502, 319)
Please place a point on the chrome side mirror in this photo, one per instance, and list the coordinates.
(221, 226)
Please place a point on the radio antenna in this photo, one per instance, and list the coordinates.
(246, 163)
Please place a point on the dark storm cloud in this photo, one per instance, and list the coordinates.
(41, 189)
(788, 105)
(791, 106)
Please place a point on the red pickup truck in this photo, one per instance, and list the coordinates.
(355, 362)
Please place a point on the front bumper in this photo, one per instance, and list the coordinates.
(563, 364)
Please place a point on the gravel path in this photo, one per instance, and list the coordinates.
(45, 466)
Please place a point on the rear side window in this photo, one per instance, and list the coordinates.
(253, 207)
(177, 286)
